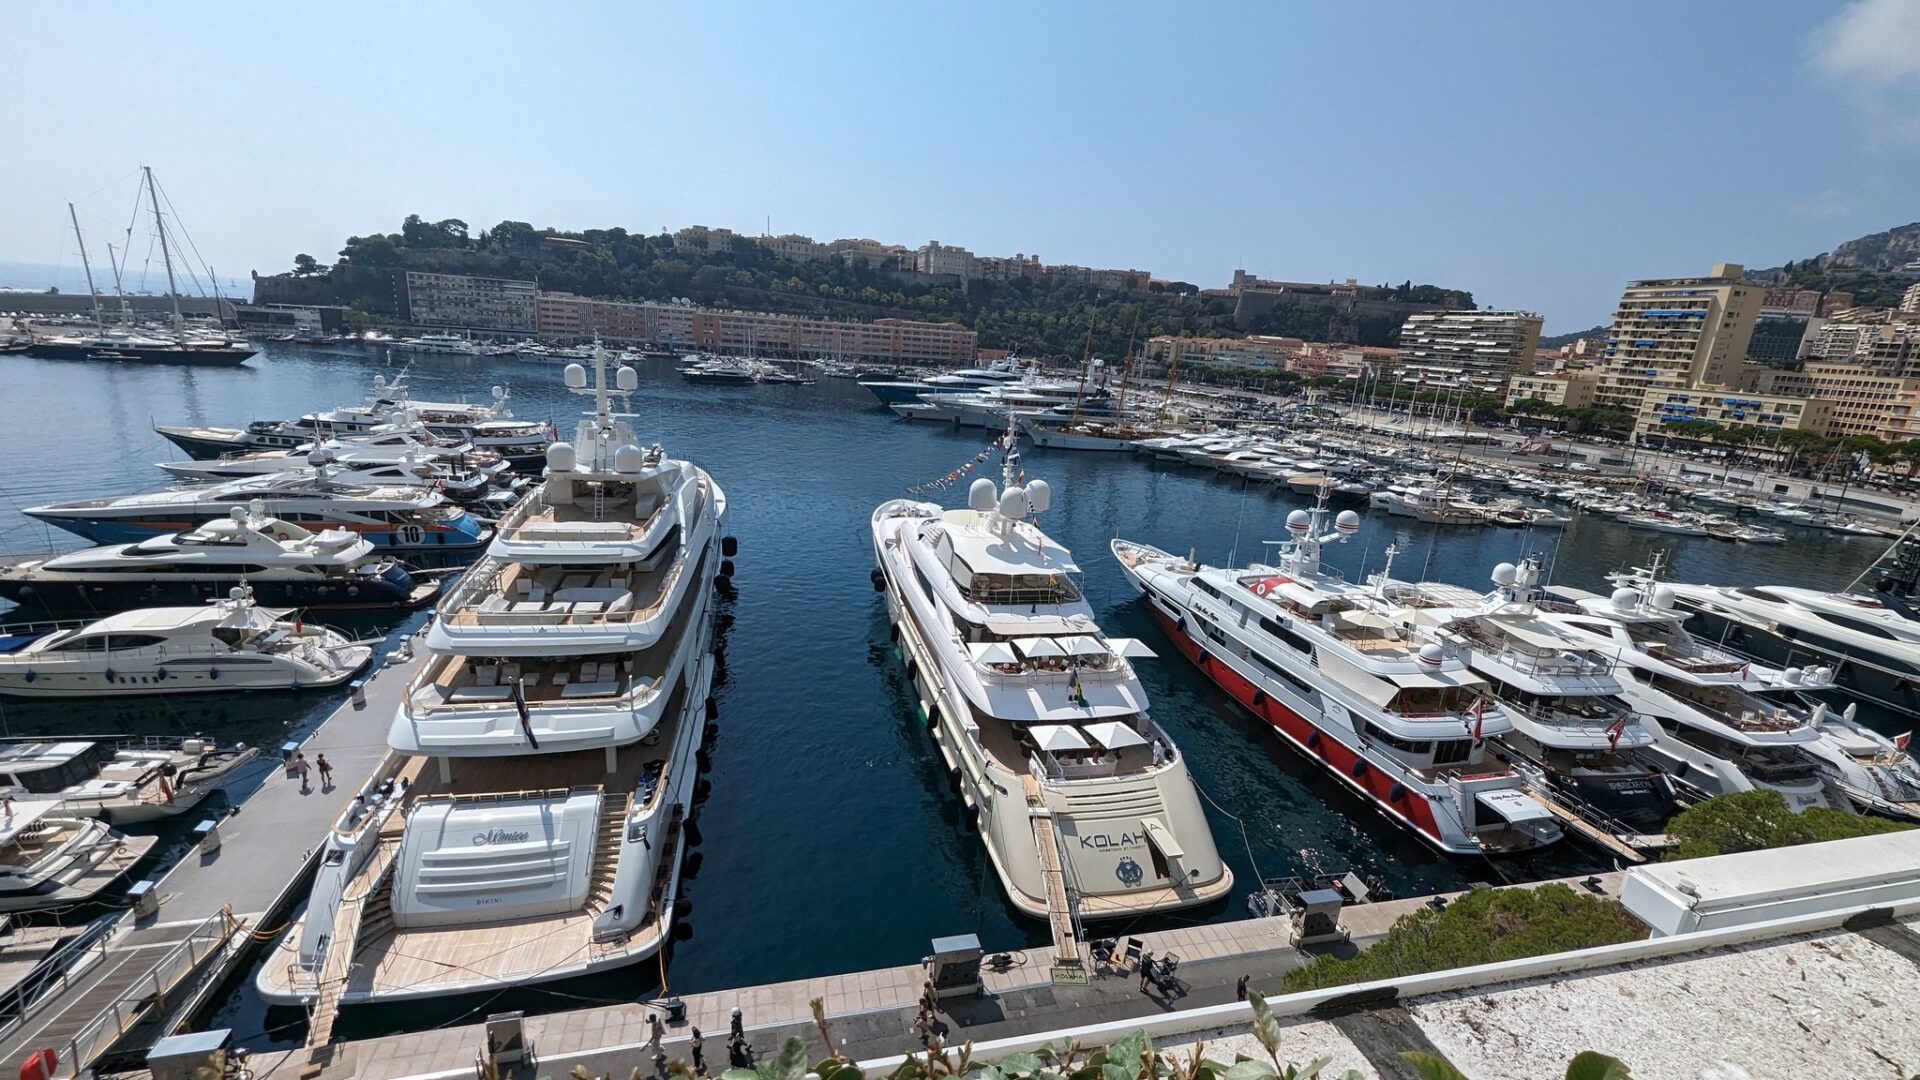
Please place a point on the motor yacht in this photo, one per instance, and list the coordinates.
(721, 371)
(1083, 801)
(52, 858)
(532, 819)
(228, 645)
(1574, 737)
(280, 562)
(444, 344)
(411, 520)
(119, 781)
(1729, 724)
(963, 381)
(1403, 723)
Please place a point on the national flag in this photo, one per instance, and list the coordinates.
(1901, 740)
(1479, 717)
(1614, 731)
(1745, 670)
(526, 718)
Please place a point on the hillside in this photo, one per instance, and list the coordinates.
(1876, 268)
(1035, 315)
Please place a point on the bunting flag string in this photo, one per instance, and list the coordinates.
(944, 482)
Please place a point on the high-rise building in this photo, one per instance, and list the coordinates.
(500, 305)
(1478, 349)
(1910, 300)
(1677, 334)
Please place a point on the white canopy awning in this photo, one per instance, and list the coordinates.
(1083, 645)
(1437, 680)
(1131, 648)
(1038, 646)
(1057, 737)
(1112, 734)
(992, 652)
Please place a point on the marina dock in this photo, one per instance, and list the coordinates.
(219, 898)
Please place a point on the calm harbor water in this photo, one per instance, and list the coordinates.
(830, 841)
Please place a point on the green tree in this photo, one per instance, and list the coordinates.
(305, 265)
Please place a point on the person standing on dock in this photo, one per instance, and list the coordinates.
(300, 769)
(326, 771)
(737, 1024)
(699, 1051)
(1240, 989)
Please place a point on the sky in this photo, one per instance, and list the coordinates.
(1539, 155)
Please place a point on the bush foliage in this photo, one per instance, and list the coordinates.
(1753, 820)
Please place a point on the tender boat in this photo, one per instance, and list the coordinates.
(51, 858)
(121, 782)
(532, 819)
(282, 563)
(399, 519)
(1402, 723)
(1039, 718)
(228, 645)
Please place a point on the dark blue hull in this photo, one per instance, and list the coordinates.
(93, 596)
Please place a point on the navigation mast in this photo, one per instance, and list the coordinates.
(88, 267)
(173, 292)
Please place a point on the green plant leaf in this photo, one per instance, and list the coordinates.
(1593, 1065)
(1432, 1066)
(740, 1074)
(1017, 1064)
(791, 1063)
(1250, 1069)
(1128, 1051)
(1266, 1027)
(1118, 1072)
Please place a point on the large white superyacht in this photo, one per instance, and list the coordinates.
(531, 821)
(1082, 800)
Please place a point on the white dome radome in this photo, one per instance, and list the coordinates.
(1299, 521)
(628, 458)
(379, 382)
(560, 457)
(1663, 597)
(1793, 675)
(238, 513)
(575, 377)
(1625, 599)
(1432, 655)
(499, 392)
(1013, 502)
(981, 496)
(1820, 675)
(257, 507)
(627, 379)
(1506, 574)
(238, 592)
(1039, 495)
(322, 456)
(1347, 521)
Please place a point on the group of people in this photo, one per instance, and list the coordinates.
(739, 1051)
(298, 768)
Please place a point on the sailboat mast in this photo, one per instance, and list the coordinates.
(1086, 363)
(119, 286)
(173, 292)
(88, 267)
(1126, 370)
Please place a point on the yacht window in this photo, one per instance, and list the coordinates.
(1281, 633)
(1452, 751)
(1281, 673)
(92, 643)
(136, 641)
(1207, 587)
(1405, 746)
(1858, 625)
(230, 636)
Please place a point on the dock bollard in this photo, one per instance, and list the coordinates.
(207, 835)
(146, 901)
(359, 687)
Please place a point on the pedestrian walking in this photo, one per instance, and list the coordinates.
(326, 771)
(655, 1029)
(1240, 989)
(1146, 969)
(737, 1055)
(301, 768)
(923, 1027)
(699, 1054)
(737, 1025)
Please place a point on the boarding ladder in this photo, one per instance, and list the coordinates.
(338, 961)
(1062, 919)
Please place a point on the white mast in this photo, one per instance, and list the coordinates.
(88, 267)
(119, 286)
(173, 293)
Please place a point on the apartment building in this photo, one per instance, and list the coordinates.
(1663, 407)
(685, 327)
(1253, 351)
(1889, 347)
(1910, 300)
(1477, 349)
(1673, 336)
(1862, 398)
(1573, 390)
(933, 257)
(456, 301)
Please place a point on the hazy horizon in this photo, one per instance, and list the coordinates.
(1537, 155)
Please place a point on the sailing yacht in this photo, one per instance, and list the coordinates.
(532, 820)
(1727, 724)
(1082, 800)
(1331, 667)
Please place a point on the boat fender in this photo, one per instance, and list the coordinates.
(729, 546)
(682, 908)
(1180, 624)
(1359, 768)
(893, 633)
(110, 675)
(703, 759)
(1313, 740)
(1397, 792)
(713, 708)
(692, 869)
(726, 567)
(213, 673)
(353, 590)
(722, 583)
(701, 789)
(953, 780)
(973, 817)
(693, 834)
(29, 676)
(682, 931)
(1259, 697)
(879, 580)
(912, 668)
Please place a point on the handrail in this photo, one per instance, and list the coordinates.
(124, 1012)
(23, 1000)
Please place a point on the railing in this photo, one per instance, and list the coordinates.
(54, 972)
(150, 991)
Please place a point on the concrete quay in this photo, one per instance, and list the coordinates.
(151, 964)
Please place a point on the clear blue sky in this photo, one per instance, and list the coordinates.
(1537, 154)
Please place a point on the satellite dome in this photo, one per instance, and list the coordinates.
(499, 392)
(981, 496)
(1663, 597)
(560, 457)
(1432, 655)
(1039, 495)
(1793, 675)
(1505, 574)
(1013, 502)
(238, 592)
(1347, 521)
(238, 513)
(575, 377)
(1299, 521)
(1625, 599)
(628, 458)
(257, 507)
(379, 382)
(1820, 675)
(626, 379)
(322, 456)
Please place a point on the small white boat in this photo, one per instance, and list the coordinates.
(227, 645)
(123, 782)
(49, 858)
